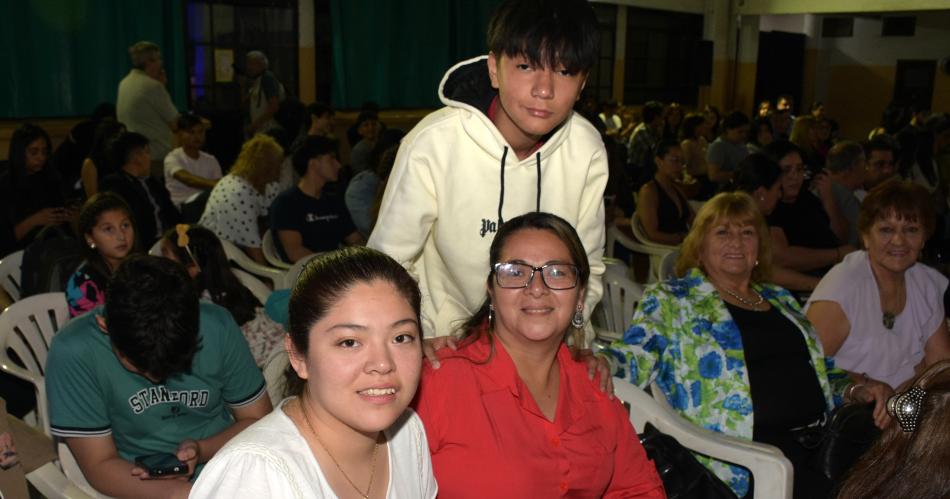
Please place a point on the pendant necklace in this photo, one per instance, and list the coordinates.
(372, 473)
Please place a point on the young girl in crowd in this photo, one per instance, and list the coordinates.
(105, 223)
(200, 251)
(355, 355)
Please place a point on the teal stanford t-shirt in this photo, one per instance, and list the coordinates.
(90, 393)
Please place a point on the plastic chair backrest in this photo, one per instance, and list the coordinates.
(74, 473)
(10, 274)
(269, 247)
(274, 370)
(258, 288)
(290, 278)
(239, 257)
(667, 264)
(27, 328)
(771, 469)
(621, 295)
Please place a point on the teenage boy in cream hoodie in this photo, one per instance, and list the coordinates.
(507, 143)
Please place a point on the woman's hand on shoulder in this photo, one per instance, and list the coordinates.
(432, 345)
(596, 366)
(872, 390)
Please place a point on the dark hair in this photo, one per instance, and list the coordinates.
(734, 120)
(324, 281)
(663, 147)
(756, 170)
(365, 116)
(843, 156)
(123, 146)
(906, 199)
(548, 33)
(882, 142)
(691, 122)
(312, 147)
(89, 214)
(778, 149)
(318, 109)
(106, 131)
(214, 272)
(651, 110)
(756, 126)
(188, 120)
(22, 137)
(909, 464)
(153, 316)
(537, 220)
(388, 138)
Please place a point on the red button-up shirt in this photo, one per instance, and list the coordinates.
(489, 439)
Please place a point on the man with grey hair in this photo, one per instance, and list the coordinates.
(144, 105)
(263, 94)
(846, 166)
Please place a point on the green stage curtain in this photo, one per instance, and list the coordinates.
(394, 52)
(61, 58)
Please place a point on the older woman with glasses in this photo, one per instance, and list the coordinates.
(510, 413)
(662, 207)
(732, 352)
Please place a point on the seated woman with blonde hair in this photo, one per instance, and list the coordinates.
(731, 351)
(238, 205)
(510, 413)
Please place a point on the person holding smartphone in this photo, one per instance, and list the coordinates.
(154, 377)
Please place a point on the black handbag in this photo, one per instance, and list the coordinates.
(683, 476)
(841, 440)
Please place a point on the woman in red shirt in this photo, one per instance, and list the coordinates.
(510, 413)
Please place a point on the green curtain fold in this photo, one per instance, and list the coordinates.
(395, 52)
(63, 57)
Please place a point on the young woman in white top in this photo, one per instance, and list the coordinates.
(355, 355)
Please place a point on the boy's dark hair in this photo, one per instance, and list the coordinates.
(734, 120)
(778, 149)
(651, 110)
(153, 317)
(548, 33)
(663, 147)
(756, 170)
(690, 123)
(365, 116)
(843, 156)
(312, 147)
(318, 109)
(881, 142)
(126, 143)
(189, 120)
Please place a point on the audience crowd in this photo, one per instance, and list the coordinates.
(810, 275)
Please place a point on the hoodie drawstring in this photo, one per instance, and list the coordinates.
(501, 196)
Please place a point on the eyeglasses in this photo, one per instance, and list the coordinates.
(555, 276)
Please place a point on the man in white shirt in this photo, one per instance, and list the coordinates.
(144, 105)
(188, 169)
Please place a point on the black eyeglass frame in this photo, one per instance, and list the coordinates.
(535, 270)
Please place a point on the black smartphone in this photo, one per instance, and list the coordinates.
(162, 464)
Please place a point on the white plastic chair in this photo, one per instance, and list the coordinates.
(258, 288)
(290, 277)
(655, 250)
(10, 274)
(274, 375)
(239, 257)
(668, 264)
(27, 328)
(269, 247)
(621, 295)
(52, 483)
(771, 469)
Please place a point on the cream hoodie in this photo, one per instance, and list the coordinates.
(450, 185)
